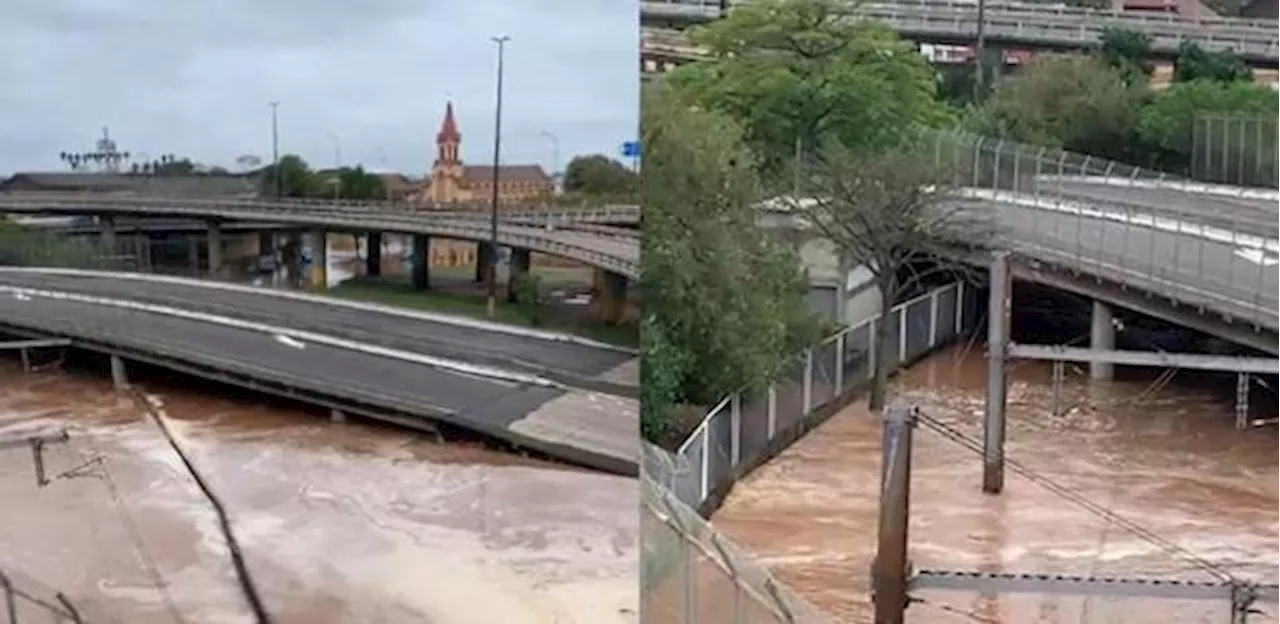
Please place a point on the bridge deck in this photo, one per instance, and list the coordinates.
(402, 391)
(577, 364)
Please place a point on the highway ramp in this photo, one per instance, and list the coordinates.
(578, 363)
(578, 426)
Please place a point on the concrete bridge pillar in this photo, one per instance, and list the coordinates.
(108, 223)
(319, 244)
(484, 255)
(373, 254)
(521, 260)
(193, 254)
(421, 262)
(291, 257)
(119, 376)
(611, 296)
(266, 243)
(1102, 337)
(215, 249)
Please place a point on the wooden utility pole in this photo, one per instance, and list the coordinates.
(889, 573)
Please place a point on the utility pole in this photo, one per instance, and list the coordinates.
(993, 425)
(555, 152)
(275, 149)
(889, 573)
(979, 52)
(492, 304)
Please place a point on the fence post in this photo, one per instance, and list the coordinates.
(706, 454)
(773, 411)
(840, 363)
(889, 571)
(959, 308)
(808, 382)
(933, 317)
(902, 335)
(735, 428)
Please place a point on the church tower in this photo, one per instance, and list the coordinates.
(446, 171)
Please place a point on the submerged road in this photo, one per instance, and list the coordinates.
(414, 389)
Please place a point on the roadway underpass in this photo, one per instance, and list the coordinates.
(256, 341)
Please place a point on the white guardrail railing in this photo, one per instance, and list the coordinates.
(745, 424)
(1035, 24)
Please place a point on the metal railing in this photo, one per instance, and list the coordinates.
(1235, 149)
(1189, 242)
(746, 423)
(613, 253)
(1032, 24)
(690, 574)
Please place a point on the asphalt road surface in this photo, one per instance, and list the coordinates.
(1230, 213)
(546, 419)
(564, 361)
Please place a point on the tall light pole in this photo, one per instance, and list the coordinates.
(493, 208)
(979, 53)
(275, 149)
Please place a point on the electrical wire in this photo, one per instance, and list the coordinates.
(968, 442)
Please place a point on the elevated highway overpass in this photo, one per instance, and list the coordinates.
(565, 397)
(1024, 25)
(616, 251)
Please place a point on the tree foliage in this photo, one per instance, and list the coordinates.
(1128, 52)
(295, 178)
(298, 180)
(794, 72)
(1196, 63)
(1167, 123)
(598, 175)
(724, 305)
(895, 213)
(1073, 102)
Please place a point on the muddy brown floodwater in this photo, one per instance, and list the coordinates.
(1173, 463)
(340, 522)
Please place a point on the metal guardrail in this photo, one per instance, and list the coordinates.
(613, 253)
(1032, 24)
(746, 423)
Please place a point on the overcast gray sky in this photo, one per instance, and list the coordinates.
(195, 78)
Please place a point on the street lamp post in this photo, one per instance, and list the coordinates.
(275, 149)
(492, 304)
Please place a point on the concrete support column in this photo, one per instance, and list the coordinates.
(484, 251)
(108, 223)
(421, 262)
(119, 376)
(993, 428)
(611, 296)
(215, 249)
(373, 254)
(193, 254)
(318, 242)
(521, 260)
(1102, 337)
(266, 243)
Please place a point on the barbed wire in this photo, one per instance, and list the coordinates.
(1105, 514)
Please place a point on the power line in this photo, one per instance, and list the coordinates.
(968, 442)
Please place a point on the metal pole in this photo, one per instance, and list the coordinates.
(993, 427)
(890, 572)
(492, 303)
(979, 52)
(275, 149)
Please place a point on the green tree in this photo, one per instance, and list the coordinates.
(794, 72)
(295, 177)
(356, 183)
(1167, 123)
(598, 175)
(1195, 63)
(1128, 52)
(893, 212)
(724, 306)
(1065, 101)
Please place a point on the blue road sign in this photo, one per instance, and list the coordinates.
(631, 149)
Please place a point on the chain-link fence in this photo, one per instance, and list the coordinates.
(692, 575)
(1235, 149)
(33, 246)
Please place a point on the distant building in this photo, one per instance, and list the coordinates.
(209, 185)
(450, 180)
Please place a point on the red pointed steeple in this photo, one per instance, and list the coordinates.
(448, 128)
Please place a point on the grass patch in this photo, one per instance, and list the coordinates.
(398, 291)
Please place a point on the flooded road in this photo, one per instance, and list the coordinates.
(339, 522)
(1170, 461)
